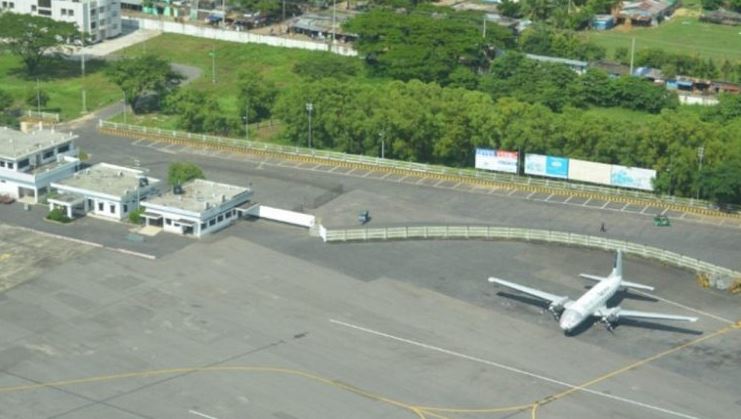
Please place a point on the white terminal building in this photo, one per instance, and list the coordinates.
(197, 207)
(100, 19)
(30, 162)
(103, 190)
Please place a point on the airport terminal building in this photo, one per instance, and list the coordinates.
(30, 162)
(197, 207)
(104, 190)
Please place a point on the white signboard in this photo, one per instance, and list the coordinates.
(551, 166)
(497, 160)
(588, 171)
(633, 177)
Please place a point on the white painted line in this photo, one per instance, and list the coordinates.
(438, 183)
(585, 202)
(529, 195)
(351, 170)
(674, 303)
(333, 169)
(137, 142)
(511, 369)
(606, 204)
(367, 174)
(549, 197)
(644, 209)
(203, 415)
(402, 179)
(420, 181)
(386, 175)
(511, 192)
(567, 199)
(316, 167)
(624, 207)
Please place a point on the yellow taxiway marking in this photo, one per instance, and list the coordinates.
(4, 256)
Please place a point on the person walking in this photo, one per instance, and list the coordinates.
(602, 228)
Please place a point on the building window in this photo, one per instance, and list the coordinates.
(221, 218)
(114, 13)
(45, 12)
(228, 214)
(45, 3)
(93, 25)
(10, 165)
(23, 163)
(64, 12)
(12, 5)
(33, 8)
(90, 204)
(2, 164)
(5, 4)
(70, 12)
(212, 221)
(168, 221)
(113, 209)
(126, 209)
(100, 206)
(102, 22)
(203, 226)
(63, 149)
(48, 154)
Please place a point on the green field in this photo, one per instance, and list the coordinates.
(63, 84)
(682, 34)
(273, 63)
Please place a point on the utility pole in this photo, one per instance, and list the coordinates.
(334, 12)
(383, 145)
(38, 98)
(82, 69)
(124, 106)
(309, 108)
(247, 121)
(632, 53)
(284, 10)
(213, 64)
(483, 31)
(700, 155)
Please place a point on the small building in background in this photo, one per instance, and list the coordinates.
(580, 67)
(30, 162)
(197, 207)
(100, 19)
(613, 69)
(320, 26)
(646, 12)
(603, 22)
(105, 190)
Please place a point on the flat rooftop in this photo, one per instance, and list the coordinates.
(16, 144)
(198, 195)
(106, 179)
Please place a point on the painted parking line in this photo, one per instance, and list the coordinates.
(530, 195)
(203, 415)
(509, 368)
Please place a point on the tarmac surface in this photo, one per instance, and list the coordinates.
(337, 196)
(262, 321)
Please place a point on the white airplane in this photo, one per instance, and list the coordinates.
(572, 313)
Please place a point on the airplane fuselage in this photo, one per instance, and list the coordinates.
(578, 311)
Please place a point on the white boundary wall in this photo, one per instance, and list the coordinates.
(284, 216)
(234, 36)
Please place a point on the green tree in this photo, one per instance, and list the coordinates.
(257, 96)
(182, 171)
(322, 65)
(6, 100)
(40, 98)
(143, 74)
(31, 37)
(510, 8)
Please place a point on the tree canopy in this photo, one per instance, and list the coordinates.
(183, 171)
(31, 37)
(139, 75)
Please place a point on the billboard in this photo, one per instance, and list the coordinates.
(632, 177)
(588, 171)
(540, 165)
(499, 160)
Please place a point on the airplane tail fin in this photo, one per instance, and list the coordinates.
(617, 266)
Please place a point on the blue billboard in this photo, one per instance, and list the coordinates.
(550, 166)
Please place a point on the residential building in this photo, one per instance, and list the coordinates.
(197, 207)
(104, 190)
(580, 67)
(30, 162)
(100, 19)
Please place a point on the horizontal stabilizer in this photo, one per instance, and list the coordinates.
(593, 277)
(636, 285)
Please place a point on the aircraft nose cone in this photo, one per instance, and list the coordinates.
(569, 320)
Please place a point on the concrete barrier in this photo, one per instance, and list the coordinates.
(283, 216)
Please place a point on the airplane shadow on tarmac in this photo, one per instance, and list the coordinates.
(612, 302)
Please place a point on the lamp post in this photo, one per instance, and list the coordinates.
(383, 145)
(246, 118)
(82, 82)
(700, 155)
(124, 105)
(309, 108)
(213, 64)
(38, 98)
(334, 18)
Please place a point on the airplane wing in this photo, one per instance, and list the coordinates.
(532, 291)
(633, 314)
(622, 282)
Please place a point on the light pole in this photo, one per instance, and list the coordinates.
(124, 105)
(38, 98)
(82, 82)
(700, 155)
(334, 13)
(309, 108)
(383, 145)
(247, 121)
(213, 64)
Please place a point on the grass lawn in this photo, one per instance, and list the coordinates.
(682, 34)
(62, 82)
(273, 63)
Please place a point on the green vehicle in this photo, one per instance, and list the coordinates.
(662, 221)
